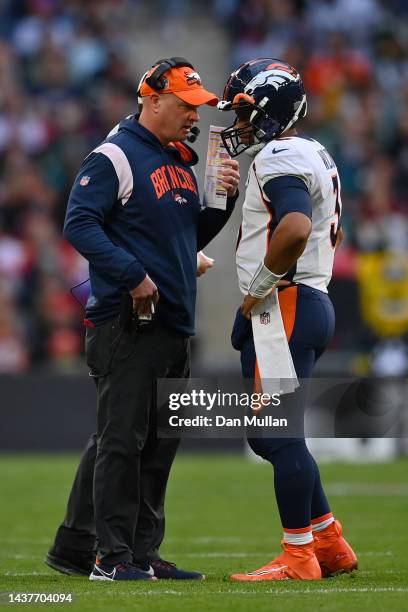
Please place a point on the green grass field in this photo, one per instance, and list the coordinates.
(221, 517)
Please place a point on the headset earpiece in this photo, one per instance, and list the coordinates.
(156, 80)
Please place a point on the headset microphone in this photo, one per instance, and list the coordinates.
(193, 134)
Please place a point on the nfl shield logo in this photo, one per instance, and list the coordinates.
(84, 181)
(265, 318)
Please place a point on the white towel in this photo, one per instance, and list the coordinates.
(276, 369)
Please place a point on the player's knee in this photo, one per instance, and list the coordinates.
(277, 449)
(261, 447)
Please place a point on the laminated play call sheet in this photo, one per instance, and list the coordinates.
(215, 195)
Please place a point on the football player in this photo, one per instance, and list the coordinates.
(286, 244)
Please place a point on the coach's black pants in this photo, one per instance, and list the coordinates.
(118, 492)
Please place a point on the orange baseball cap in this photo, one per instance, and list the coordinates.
(184, 83)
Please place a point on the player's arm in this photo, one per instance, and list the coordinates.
(292, 206)
(288, 242)
(340, 238)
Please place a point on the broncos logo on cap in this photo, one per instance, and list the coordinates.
(192, 78)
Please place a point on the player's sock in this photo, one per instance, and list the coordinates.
(320, 505)
(294, 475)
(321, 522)
(298, 537)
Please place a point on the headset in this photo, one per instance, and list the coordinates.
(156, 80)
(158, 83)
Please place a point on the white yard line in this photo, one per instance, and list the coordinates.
(215, 555)
(370, 553)
(27, 574)
(27, 540)
(211, 555)
(366, 489)
(241, 592)
(211, 539)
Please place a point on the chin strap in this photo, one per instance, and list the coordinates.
(255, 148)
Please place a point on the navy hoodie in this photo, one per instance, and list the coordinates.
(133, 210)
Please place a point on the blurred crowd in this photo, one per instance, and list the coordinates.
(64, 82)
(63, 85)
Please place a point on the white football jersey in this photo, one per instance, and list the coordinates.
(308, 160)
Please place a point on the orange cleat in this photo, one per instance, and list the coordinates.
(296, 563)
(334, 554)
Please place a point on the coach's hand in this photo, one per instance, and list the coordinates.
(145, 297)
(230, 176)
(203, 263)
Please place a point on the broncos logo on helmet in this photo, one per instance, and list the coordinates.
(268, 96)
(275, 78)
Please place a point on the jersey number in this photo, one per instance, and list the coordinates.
(334, 228)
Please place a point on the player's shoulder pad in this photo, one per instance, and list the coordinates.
(284, 157)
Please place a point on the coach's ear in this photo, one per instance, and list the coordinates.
(153, 103)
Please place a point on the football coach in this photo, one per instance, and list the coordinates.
(134, 213)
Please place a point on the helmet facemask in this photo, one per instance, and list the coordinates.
(258, 127)
(238, 139)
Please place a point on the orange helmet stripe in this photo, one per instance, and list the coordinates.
(283, 67)
(244, 97)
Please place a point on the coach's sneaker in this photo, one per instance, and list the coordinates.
(334, 554)
(169, 571)
(298, 562)
(121, 571)
(70, 562)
